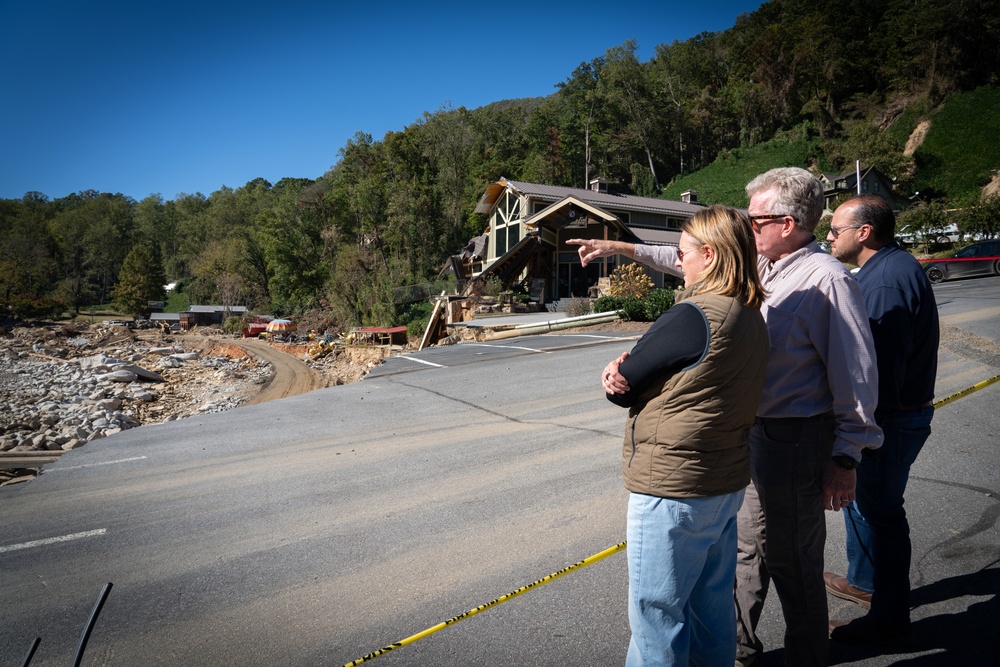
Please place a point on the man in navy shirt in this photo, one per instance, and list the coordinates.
(904, 322)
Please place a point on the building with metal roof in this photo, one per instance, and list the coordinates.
(530, 222)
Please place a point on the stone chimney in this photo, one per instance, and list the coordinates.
(689, 196)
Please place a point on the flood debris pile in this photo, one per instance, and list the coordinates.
(61, 388)
(341, 364)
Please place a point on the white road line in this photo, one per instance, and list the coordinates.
(53, 540)
(91, 465)
(506, 347)
(422, 361)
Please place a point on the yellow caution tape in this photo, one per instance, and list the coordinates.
(583, 563)
(492, 603)
(965, 392)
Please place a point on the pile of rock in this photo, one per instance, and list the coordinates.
(57, 395)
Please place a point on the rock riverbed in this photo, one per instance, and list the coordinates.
(61, 387)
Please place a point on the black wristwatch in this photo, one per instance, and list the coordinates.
(845, 461)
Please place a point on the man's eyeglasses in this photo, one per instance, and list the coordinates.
(837, 230)
(768, 216)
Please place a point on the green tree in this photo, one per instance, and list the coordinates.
(583, 122)
(921, 220)
(982, 218)
(625, 84)
(26, 265)
(140, 281)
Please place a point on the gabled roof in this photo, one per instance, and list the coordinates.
(851, 176)
(569, 202)
(606, 200)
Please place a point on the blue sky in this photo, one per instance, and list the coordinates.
(171, 97)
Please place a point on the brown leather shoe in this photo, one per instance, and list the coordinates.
(837, 586)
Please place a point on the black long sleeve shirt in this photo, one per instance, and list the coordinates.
(678, 339)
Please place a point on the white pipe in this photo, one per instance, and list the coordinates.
(555, 325)
(578, 318)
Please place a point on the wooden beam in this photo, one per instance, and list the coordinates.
(28, 459)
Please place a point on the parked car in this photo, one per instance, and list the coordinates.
(978, 259)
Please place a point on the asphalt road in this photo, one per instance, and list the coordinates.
(316, 529)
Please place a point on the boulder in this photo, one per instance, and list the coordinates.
(140, 372)
(118, 376)
(99, 361)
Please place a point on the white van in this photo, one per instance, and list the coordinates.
(946, 234)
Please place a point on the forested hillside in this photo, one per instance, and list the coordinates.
(794, 83)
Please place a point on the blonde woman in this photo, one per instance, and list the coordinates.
(692, 385)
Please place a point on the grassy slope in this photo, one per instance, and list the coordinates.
(959, 155)
(176, 302)
(962, 150)
(722, 182)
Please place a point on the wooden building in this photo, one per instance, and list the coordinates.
(530, 222)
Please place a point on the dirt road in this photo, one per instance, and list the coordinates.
(290, 378)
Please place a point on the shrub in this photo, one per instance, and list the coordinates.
(628, 308)
(630, 281)
(488, 286)
(579, 308)
(416, 328)
(416, 317)
(658, 302)
(604, 304)
(637, 310)
(233, 325)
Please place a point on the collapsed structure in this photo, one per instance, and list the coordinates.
(529, 223)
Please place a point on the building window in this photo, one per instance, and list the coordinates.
(513, 234)
(511, 207)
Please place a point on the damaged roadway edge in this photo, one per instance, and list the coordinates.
(62, 386)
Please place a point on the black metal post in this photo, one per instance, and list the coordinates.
(31, 651)
(90, 624)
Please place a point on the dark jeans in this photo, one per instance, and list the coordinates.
(782, 532)
(878, 534)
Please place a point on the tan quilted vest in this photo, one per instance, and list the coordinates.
(689, 438)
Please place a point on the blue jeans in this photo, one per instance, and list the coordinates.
(878, 534)
(681, 565)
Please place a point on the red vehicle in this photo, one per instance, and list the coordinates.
(254, 329)
(978, 259)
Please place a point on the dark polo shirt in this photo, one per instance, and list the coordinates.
(904, 321)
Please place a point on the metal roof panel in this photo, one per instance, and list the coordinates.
(607, 199)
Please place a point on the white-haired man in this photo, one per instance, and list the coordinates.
(816, 413)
